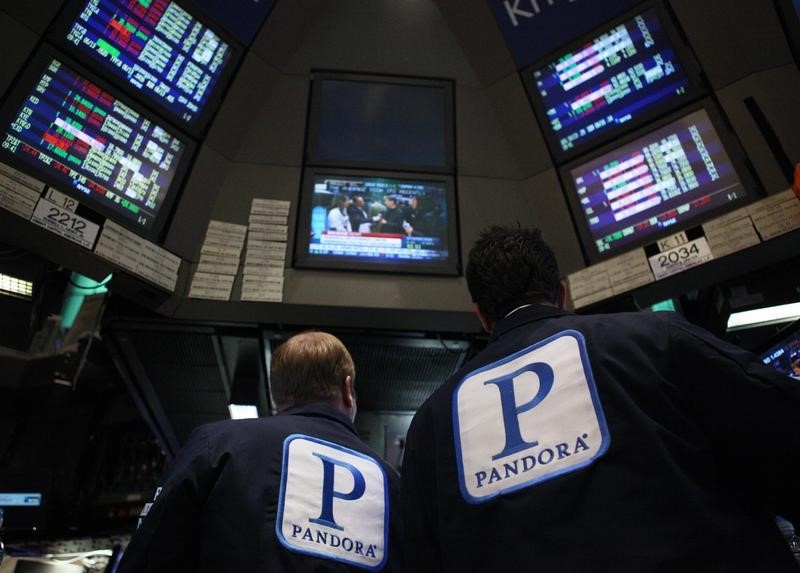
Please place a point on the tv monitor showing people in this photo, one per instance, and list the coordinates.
(378, 223)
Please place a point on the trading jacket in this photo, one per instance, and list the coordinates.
(298, 491)
(627, 442)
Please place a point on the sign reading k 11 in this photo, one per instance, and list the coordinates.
(533, 28)
(527, 418)
(333, 503)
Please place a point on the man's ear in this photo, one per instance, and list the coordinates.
(347, 392)
(562, 295)
(487, 324)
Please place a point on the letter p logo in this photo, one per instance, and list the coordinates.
(329, 493)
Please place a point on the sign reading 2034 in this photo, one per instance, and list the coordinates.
(527, 418)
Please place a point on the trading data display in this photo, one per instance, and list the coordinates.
(378, 219)
(157, 47)
(613, 79)
(81, 136)
(661, 179)
(785, 356)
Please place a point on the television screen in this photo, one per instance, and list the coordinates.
(65, 128)
(381, 122)
(654, 184)
(618, 79)
(784, 355)
(155, 49)
(377, 222)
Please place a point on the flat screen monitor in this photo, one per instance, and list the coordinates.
(624, 75)
(381, 122)
(372, 221)
(783, 353)
(657, 183)
(62, 125)
(155, 50)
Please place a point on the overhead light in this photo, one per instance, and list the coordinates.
(12, 286)
(242, 411)
(764, 316)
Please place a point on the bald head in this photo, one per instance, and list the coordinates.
(310, 367)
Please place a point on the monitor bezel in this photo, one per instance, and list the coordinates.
(729, 142)
(197, 128)
(318, 77)
(690, 67)
(26, 82)
(302, 259)
(789, 330)
(790, 23)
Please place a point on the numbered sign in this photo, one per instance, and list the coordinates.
(680, 258)
(62, 221)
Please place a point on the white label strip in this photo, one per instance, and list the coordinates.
(588, 281)
(269, 233)
(65, 223)
(737, 235)
(256, 219)
(138, 256)
(19, 193)
(263, 271)
(592, 298)
(211, 286)
(272, 207)
(629, 265)
(61, 200)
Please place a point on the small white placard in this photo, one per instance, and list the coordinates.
(672, 241)
(65, 223)
(592, 298)
(251, 270)
(588, 281)
(269, 289)
(138, 256)
(256, 219)
(265, 250)
(211, 286)
(271, 207)
(19, 193)
(680, 258)
(776, 215)
(268, 232)
(61, 200)
(730, 233)
(218, 264)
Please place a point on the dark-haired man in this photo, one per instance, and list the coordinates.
(627, 442)
(298, 491)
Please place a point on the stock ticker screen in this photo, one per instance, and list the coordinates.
(659, 180)
(157, 47)
(73, 132)
(616, 78)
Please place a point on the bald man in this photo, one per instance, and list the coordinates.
(299, 491)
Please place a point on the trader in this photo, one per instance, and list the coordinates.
(624, 442)
(298, 491)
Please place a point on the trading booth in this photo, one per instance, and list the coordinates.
(185, 184)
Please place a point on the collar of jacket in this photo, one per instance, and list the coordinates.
(525, 316)
(320, 410)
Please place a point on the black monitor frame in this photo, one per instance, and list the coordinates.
(314, 112)
(304, 260)
(25, 84)
(787, 332)
(57, 35)
(731, 145)
(690, 66)
(790, 22)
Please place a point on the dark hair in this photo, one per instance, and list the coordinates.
(509, 267)
(307, 368)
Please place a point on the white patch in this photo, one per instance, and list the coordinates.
(527, 418)
(333, 503)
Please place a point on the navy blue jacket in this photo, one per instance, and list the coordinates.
(217, 506)
(695, 447)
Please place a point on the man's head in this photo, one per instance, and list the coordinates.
(390, 202)
(313, 367)
(359, 201)
(509, 267)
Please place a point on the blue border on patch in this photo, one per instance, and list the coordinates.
(279, 518)
(598, 409)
